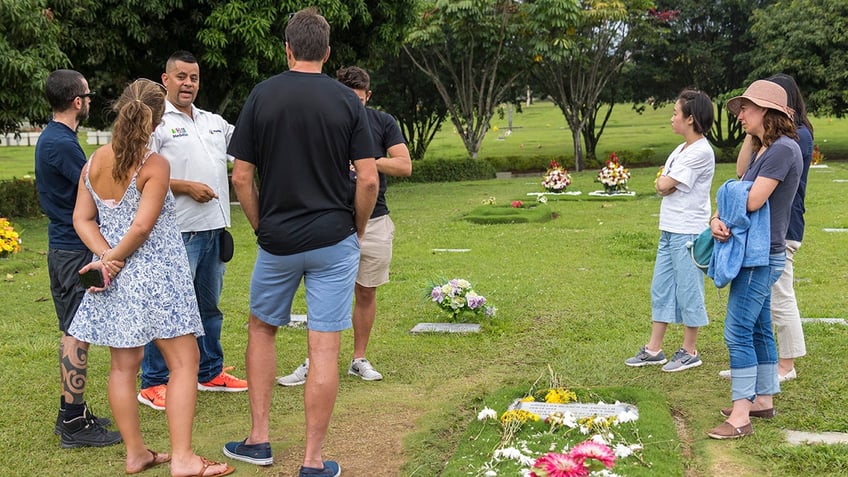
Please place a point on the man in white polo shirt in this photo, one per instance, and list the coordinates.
(195, 143)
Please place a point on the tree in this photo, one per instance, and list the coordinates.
(807, 39)
(474, 51)
(707, 47)
(591, 54)
(238, 43)
(29, 50)
(405, 92)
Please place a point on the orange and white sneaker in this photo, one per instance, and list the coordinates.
(154, 396)
(224, 382)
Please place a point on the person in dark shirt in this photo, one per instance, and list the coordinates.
(59, 159)
(376, 245)
(300, 131)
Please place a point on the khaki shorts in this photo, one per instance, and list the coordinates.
(376, 252)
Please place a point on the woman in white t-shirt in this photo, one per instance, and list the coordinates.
(677, 288)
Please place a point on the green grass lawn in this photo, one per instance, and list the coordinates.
(572, 293)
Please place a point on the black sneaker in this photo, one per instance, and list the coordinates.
(84, 431)
(101, 421)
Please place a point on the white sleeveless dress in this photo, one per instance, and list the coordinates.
(153, 295)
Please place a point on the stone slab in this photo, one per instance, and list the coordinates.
(544, 409)
(452, 250)
(297, 321)
(829, 321)
(835, 230)
(446, 328)
(840, 180)
(554, 194)
(617, 195)
(818, 166)
(801, 437)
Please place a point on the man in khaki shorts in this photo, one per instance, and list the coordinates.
(376, 244)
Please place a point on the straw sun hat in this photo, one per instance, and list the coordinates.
(764, 94)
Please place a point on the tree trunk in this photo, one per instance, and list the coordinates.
(578, 149)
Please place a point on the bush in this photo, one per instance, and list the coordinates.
(19, 198)
(525, 164)
(446, 170)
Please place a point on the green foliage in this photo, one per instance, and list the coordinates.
(446, 170)
(809, 40)
(506, 214)
(19, 198)
(473, 69)
(524, 164)
(29, 50)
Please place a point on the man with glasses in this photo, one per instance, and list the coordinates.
(194, 142)
(59, 160)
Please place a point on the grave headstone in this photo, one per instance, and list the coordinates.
(544, 409)
(801, 437)
(452, 250)
(297, 321)
(829, 321)
(446, 328)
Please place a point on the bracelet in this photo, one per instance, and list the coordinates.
(713, 218)
(104, 253)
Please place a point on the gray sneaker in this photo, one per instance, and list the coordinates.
(682, 360)
(643, 358)
(296, 378)
(362, 368)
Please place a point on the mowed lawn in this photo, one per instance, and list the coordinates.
(573, 293)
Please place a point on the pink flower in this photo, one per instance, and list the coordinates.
(553, 464)
(516, 204)
(593, 450)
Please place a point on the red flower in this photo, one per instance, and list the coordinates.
(553, 464)
(516, 204)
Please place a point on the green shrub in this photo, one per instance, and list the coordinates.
(526, 164)
(19, 198)
(447, 170)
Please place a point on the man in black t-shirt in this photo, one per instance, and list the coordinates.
(376, 245)
(301, 130)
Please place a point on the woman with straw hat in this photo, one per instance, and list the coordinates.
(773, 173)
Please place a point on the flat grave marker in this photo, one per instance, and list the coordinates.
(545, 409)
(446, 328)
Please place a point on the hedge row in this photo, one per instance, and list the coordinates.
(447, 170)
(19, 198)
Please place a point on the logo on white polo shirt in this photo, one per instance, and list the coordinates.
(179, 132)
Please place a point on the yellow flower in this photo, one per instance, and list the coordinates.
(560, 396)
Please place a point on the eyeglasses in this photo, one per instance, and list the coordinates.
(90, 94)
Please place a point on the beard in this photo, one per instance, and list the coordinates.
(82, 115)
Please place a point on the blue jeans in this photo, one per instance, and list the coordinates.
(748, 332)
(207, 269)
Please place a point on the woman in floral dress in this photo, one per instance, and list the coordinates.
(148, 293)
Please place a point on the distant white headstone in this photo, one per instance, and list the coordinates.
(297, 321)
(452, 250)
(544, 409)
(835, 230)
(829, 321)
(446, 328)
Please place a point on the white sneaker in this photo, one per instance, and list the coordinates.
(297, 377)
(788, 376)
(724, 374)
(362, 368)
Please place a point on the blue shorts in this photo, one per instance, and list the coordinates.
(677, 289)
(328, 275)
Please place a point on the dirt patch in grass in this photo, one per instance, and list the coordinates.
(367, 442)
